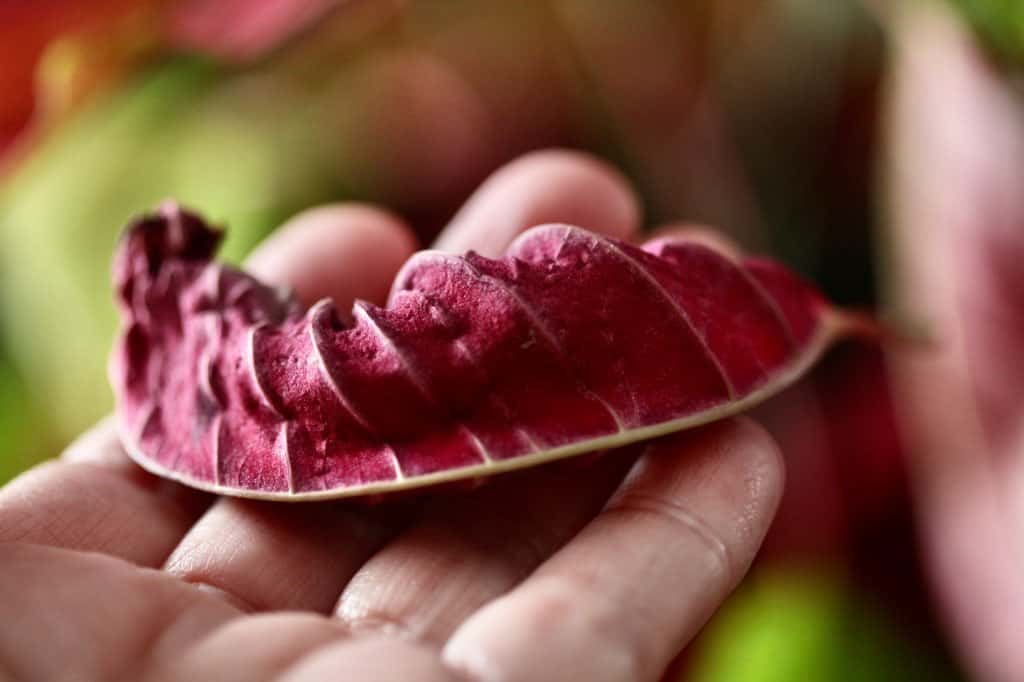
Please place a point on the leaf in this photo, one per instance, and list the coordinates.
(571, 343)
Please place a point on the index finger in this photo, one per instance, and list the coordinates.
(543, 187)
(621, 600)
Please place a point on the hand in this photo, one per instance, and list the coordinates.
(595, 572)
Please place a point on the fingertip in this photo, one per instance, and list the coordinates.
(343, 251)
(636, 584)
(550, 186)
(591, 187)
(99, 444)
(733, 470)
(759, 453)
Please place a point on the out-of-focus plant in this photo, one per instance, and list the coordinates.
(19, 422)
(58, 54)
(954, 165)
(1000, 24)
(175, 133)
(758, 117)
(837, 591)
(794, 623)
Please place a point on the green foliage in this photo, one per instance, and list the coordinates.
(796, 625)
(22, 441)
(185, 130)
(1000, 24)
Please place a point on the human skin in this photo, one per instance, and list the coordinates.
(602, 571)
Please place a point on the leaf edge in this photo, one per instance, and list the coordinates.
(834, 325)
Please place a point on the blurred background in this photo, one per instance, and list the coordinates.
(788, 124)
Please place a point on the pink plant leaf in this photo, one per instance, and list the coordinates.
(569, 344)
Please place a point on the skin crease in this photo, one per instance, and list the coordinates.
(112, 574)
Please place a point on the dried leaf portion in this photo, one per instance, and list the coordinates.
(570, 343)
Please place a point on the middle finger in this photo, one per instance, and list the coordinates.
(465, 551)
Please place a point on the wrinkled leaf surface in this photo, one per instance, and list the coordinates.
(569, 344)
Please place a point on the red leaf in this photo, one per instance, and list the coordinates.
(571, 343)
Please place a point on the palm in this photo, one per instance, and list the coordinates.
(568, 572)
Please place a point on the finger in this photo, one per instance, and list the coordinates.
(299, 558)
(95, 499)
(293, 646)
(544, 187)
(270, 557)
(92, 617)
(254, 648)
(468, 550)
(622, 599)
(371, 659)
(341, 251)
